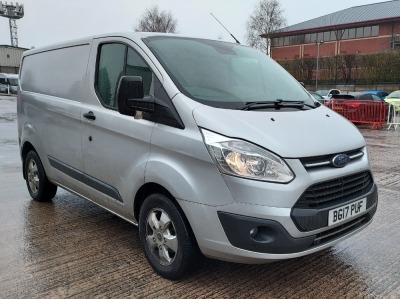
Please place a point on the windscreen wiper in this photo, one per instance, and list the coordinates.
(277, 104)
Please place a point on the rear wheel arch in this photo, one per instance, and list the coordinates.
(26, 148)
(39, 187)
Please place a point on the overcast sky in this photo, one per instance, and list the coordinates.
(50, 21)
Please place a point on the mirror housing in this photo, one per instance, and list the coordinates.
(130, 96)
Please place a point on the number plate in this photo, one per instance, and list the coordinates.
(348, 211)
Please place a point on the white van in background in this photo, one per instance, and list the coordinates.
(8, 83)
(210, 148)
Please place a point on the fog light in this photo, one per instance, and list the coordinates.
(253, 232)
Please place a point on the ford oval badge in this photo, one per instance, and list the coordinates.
(340, 160)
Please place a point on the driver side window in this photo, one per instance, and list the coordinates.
(114, 61)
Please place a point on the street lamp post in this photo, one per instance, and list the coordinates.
(316, 75)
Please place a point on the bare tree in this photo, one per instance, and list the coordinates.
(154, 20)
(266, 18)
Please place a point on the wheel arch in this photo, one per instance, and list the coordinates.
(153, 188)
(25, 149)
(148, 189)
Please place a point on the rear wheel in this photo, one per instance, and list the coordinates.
(38, 185)
(166, 238)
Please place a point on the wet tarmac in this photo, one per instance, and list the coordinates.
(71, 248)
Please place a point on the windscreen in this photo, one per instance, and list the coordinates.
(224, 75)
(394, 94)
(13, 81)
(322, 92)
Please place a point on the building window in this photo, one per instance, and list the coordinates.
(313, 37)
(286, 41)
(296, 39)
(374, 30)
(320, 36)
(367, 31)
(333, 35)
(359, 32)
(352, 33)
(345, 34)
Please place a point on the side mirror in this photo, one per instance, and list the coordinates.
(130, 96)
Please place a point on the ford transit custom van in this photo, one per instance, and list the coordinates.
(210, 148)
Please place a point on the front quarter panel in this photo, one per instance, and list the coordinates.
(179, 161)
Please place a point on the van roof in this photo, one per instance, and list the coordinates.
(9, 75)
(134, 36)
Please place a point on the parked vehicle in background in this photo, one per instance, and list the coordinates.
(360, 107)
(365, 96)
(354, 100)
(8, 83)
(318, 97)
(327, 93)
(380, 93)
(394, 99)
(340, 96)
(360, 98)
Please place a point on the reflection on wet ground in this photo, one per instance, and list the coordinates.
(71, 248)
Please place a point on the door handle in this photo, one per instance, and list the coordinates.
(90, 115)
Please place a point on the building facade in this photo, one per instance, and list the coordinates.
(10, 59)
(357, 30)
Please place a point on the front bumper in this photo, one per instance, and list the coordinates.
(271, 237)
(223, 232)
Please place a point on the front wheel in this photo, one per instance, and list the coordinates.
(38, 185)
(166, 238)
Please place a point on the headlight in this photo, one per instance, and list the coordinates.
(241, 158)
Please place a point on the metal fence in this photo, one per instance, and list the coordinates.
(365, 112)
(393, 116)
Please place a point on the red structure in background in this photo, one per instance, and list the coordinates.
(362, 29)
(364, 112)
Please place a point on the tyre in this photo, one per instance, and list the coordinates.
(38, 185)
(166, 238)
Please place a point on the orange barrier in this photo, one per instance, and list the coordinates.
(360, 111)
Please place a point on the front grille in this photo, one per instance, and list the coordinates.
(336, 191)
(326, 160)
(343, 229)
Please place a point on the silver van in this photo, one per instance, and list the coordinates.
(210, 148)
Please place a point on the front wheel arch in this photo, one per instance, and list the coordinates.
(152, 188)
(146, 190)
(156, 237)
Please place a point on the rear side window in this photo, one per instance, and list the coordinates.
(117, 60)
